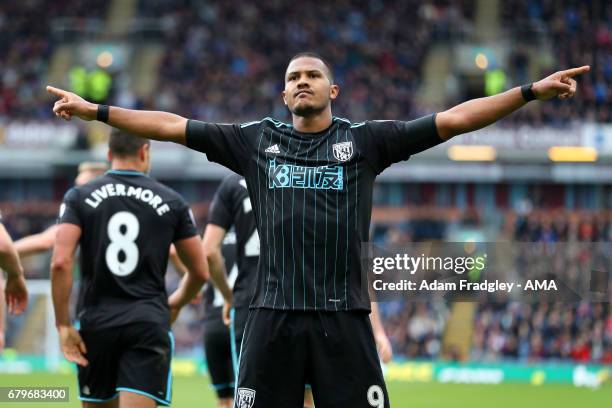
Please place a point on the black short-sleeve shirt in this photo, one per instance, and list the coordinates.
(311, 195)
(128, 221)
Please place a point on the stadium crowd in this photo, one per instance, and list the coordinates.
(237, 76)
(26, 47)
(215, 73)
(579, 33)
(581, 332)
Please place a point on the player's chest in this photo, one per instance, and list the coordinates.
(327, 162)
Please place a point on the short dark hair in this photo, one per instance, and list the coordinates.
(122, 144)
(310, 54)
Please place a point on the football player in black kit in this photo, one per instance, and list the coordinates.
(231, 209)
(124, 222)
(311, 184)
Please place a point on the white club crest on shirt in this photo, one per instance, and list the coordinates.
(245, 398)
(343, 151)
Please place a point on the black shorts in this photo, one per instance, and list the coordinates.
(134, 358)
(238, 317)
(334, 352)
(218, 351)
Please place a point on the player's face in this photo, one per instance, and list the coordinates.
(308, 90)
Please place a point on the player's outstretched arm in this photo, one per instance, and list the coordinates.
(66, 242)
(36, 243)
(15, 288)
(478, 113)
(191, 255)
(211, 246)
(155, 125)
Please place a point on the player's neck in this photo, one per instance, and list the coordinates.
(313, 124)
(128, 165)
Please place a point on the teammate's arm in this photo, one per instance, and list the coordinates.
(155, 125)
(66, 242)
(181, 269)
(36, 243)
(190, 253)
(382, 341)
(478, 113)
(15, 289)
(211, 246)
(2, 315)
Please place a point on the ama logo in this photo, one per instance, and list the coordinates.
(245, 398)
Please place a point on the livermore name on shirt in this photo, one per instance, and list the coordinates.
(106, 191)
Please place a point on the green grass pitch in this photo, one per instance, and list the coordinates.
(194, 392)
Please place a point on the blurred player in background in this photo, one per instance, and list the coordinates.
(124, 222)
(311, 183)
(231, 207)
(216, 340)
(43, 241)
(13, 291)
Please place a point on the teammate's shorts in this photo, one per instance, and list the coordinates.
(134, 358)
(334, 352)
(217, 348)
(238, 317)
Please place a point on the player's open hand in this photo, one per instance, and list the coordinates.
(16, 294)
(561, 84)
(72, 345)
(70, 104)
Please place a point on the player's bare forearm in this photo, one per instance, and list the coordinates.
(36, 243)
(189, 287)
(67, 239)
(211, 247)
(61, 286)
(9, 259)
(190, 253)
(2, 301)
(478, 113)
(377, 326)
(179, 266)
(218, 275)
(155, 125)
(382, 341)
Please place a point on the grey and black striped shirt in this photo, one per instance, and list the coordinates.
(312, 199)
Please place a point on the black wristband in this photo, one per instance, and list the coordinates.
(527, 92)
(102, 114)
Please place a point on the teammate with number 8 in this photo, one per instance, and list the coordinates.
(124, 222)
